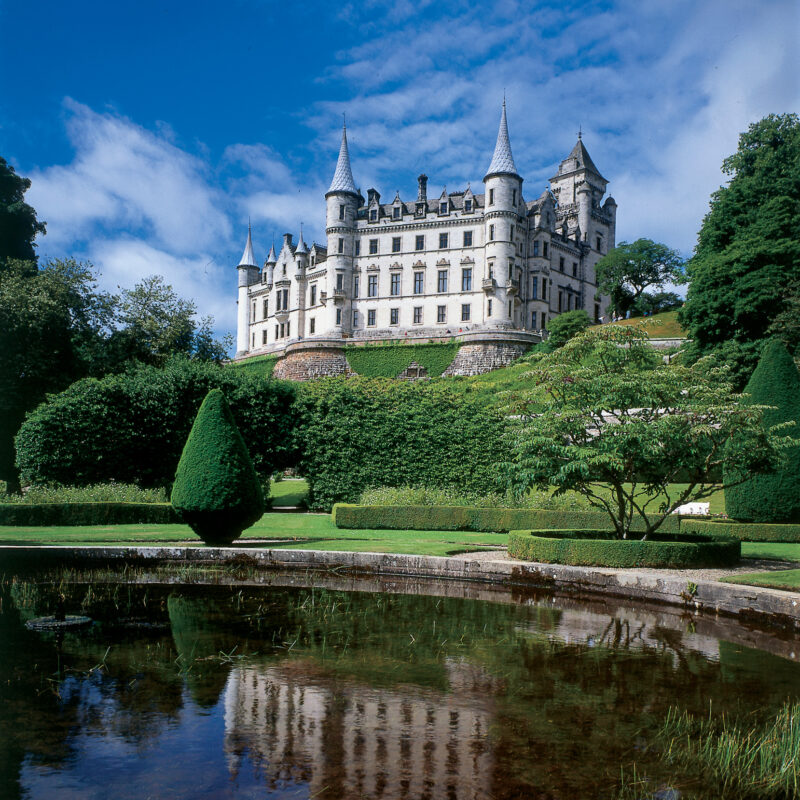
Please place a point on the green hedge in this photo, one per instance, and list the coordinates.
(257, 365)
(592, 548)
(389, 360)
(465, 518)
(43, 514)
(745, 531)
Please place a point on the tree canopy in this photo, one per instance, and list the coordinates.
(563, 327)
(18, 223)
(748, 248)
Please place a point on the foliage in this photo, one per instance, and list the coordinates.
(216, 490)
(130, 428)
(595, 548)
(427, 496)
(786, 326)
(631, 267)
(465, 518)
(18, 223)
(98, 493)
(360, 433)
(775, 497)
(746, 531)
(86, 513)
(563, 327)
(658, 302)
(748, 248)
(258, 365)
(622, 420)
(389, 360)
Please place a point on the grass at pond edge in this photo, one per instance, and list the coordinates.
(785, 579)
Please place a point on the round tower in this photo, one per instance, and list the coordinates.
(502, 203)
(248, 275)
(342, 200)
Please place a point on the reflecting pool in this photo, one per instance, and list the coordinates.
(221, 685)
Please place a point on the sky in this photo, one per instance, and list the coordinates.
(152, 131)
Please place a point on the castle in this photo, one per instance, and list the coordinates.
(486, 269)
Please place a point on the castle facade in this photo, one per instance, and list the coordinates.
(455, 265)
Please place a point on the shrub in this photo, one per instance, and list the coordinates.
(361, 433)
(563, 327)
(745, 531)
(596, 548)
(389, 360)
(131, 428)
(775, 497)
(257, 365)
(426, 496)
(465, 518)
(98, 493)
(103, 513)
(216, 490)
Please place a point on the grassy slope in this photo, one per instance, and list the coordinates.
(658, 326)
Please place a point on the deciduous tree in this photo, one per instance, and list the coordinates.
(18, 223)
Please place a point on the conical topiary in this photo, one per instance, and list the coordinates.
(216, 489)
(775, 497)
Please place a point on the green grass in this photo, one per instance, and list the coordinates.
(289, 492)
(780, 551)
(787, 579)
(659, 326)
(291, 531)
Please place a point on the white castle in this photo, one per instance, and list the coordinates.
(458, 265)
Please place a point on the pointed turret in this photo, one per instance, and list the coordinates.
(343, 177)
(301, 247)
(271, 257)
(248, 259)
(502, 160)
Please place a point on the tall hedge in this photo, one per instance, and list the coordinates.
(776, 497)
(216, 489)
(131, 428)
(389, 360)
(362, 433)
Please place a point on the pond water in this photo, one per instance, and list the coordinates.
(218, 686)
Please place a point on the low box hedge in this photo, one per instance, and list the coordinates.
(745, 531)
(593, 548)
(41, 514)
(469, 518)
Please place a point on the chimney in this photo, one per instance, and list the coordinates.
(422, 192)
(287, 239)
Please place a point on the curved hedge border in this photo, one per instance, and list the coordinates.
(592, 548)
(389, 360)
(468, 518)
(745, 531)
(24, 515)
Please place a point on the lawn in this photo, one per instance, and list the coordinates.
(659, 326)
(291, 531)
(289, 492)
(787, 579)
(780, 551)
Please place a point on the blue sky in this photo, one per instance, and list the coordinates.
(152, 131)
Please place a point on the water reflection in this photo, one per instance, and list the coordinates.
(284, 691)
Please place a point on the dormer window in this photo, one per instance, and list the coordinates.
(443, 207)
(373, 215)
(468, 205)
(396, 212)
(420, 209)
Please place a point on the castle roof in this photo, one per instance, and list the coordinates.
(502, 160)
(271, 257)
(343, 177)
(581, 159)
(248, 259)
(301, 246)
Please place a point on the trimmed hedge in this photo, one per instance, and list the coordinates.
(466, 518)
(257, 365)
(45, 514)
(593, 548)
(389, 360)
(745, 531)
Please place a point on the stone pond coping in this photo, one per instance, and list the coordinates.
(746, 603)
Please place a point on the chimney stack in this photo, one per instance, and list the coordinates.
(422, 192)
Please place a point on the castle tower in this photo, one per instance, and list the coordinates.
(269, 266)
(503, 201)
(248, 275)
(342, 199)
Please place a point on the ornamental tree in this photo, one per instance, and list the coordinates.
(636, 437)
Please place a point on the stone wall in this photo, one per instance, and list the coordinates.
(305, 365)
(475, 359)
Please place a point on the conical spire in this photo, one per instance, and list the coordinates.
(271, 257)
(502, 160)
(301, 245)
(343, 177)
(248, 259)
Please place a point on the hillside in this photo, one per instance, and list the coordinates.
(659, 326)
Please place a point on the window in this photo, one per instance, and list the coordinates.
(441, 313)
(465, 312)
(441, 281)
(313, 300)
(544, 289)
(574, 269)
(355, 319)
(358, 247)
(536, 248)
(396, 212)
(511, 233)
(276, 331)
(491, 197)
(544, 320)
(468, 204)
(395, 244)
(467, 238)
(419, 281)
(534, 290)
(491, 270)
(560, 300)
(420, 209)
(417, 315)
(533, 319)
(599, 243)
(371, 317)
(372, 286)
(341, 212)
(489, 309)
(253, 316)
(373, 247)
(356, 280)
(264, 336)
(394, 316)
(340, 281)
(253, 341)
(561, 263)
(466, 279)
(596, 312)
(509, 308)
(443, 207)
(373, 214)
(513, 197)
(544, 249)
(491, 233)
(287, 328)
(419, 243)
(338, 316)
(312, 325)
(395, 286)
(443, 241)
(265, 308)
(341, 245)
